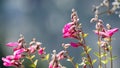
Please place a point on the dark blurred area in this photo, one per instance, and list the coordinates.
(44, 20)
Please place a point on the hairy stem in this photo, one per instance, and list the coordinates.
(99, 40)
(88, 56)
(111, 54)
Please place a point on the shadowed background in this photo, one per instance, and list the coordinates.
(44, 20)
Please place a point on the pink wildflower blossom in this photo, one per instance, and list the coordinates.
(69, 30)
(11, 44)
(18, 52)
(41, 51)
(32, 49)
(75, 44)
(107, 33)
(61, 55)
(9, 61)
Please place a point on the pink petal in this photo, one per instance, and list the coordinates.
(18, 52)
(101, 33)
(75, 44)
(41, 51)
(11, 44)
(112, 31)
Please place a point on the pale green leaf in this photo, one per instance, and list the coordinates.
(82, 63)
(97, 54)
(110, 47)
(104, 61)
(33, 56)
(46, 57)
(113, 58)
(70, 59)
(89, 49)
(35, 62)
(94, 61)
(32, 65)
(76, 65)
(85, 35)
(83, 53)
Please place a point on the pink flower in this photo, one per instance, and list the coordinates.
(69, 30)
(61, 55)
(75, 44)
(19, 52)
(11, 44)
(9, 61)
(54, 64)
(41, 51)
(32, 49)
(107, 33)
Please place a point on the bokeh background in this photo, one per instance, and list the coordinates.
(44, 20)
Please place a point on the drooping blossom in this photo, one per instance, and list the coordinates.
(18, 52)
(54, 63)
(106, 33)
(69, 30)
(41, 51)
(32, 49)
(11, 44)
(75, 44)
(61, 55)
(11, 61)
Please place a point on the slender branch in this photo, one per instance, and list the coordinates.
(111, 54)
(99, 50)
(85, 49)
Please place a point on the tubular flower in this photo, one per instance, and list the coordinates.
(69, 31)
(18, 52)
(11, 44)
(106, 33)
(10, 61)
(61, 55)
(32, 49)
(41, 51)
(75, 44)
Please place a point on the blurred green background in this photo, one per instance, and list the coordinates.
(44, 20)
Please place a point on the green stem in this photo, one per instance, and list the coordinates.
(89, 58)
(105, 58)
(31, 59)
(111, 59)
(70, 59)
(85, 49)
(111, 53)
(99, 40)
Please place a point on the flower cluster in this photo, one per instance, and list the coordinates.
(73, 29)
(21, 50)
(112, 7)
(104, 40)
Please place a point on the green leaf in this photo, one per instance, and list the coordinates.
(100, 56)
(83, 53)
(32, 65)
(82, 63)
(87, 62)
(113, 58)
(103, 54)
(70, 59)
(110, 47)
(46, 57)
(76, 65)
(97, 54)
(88, 49)
(85, 35)
(35, 62)
(33, 56)
(94, 61)
(104, 61)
